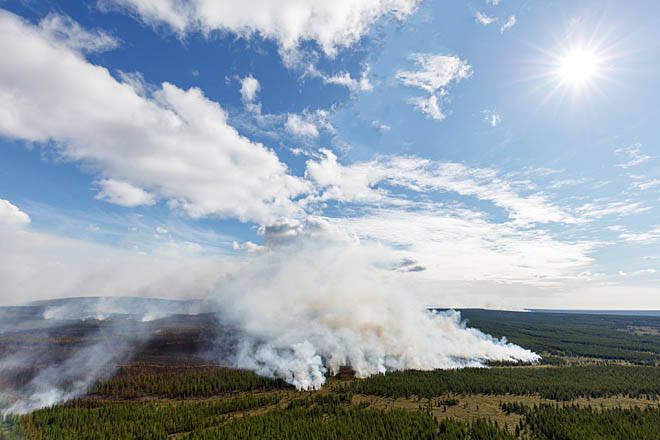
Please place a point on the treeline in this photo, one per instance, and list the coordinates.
(565, 383)
(181, 382)
(607, 337)
(572, 422)
(92, 419)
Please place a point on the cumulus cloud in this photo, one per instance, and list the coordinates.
(332, 25)
(249, 89)
(123, 194)
(509, 23)
(435, 75)
(337, 182)
(67, 31)
(11, 215)
(174, 144)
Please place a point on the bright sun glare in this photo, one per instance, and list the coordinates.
(578, 66)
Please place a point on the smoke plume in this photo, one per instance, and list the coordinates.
(322, 300)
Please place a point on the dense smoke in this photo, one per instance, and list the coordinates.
(316, 300)
(322, 300)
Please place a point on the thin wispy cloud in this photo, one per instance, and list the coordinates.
(492, 118)
(509, 23)
(635, 155)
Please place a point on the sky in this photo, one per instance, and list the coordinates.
(486, 153)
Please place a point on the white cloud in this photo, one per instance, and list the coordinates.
(351, 184)
(484, 19)
(11, 215)
(352, 84)
(428, 106)
(332, 25)
(509, 23)
(493, 2)
(436, 74)
(161, 230)
(634, 152)
(123, 194)
(462, 245)
(568, 182)
(647, 184)
(492, 118)
(616, 228)
(249, 88)
(176, 144)
(380, 126)
(298, 126)
(359, 182)
(67, 31)
(250, 247)
(649, 271)
(307, 125)
(652, 236)
(361, 84)
(593, 211)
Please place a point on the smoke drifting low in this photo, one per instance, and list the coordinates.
(47, 373)
(322, 300)
(316, 301)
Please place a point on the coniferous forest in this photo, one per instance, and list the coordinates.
(600, 379)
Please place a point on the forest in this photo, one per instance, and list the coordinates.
(600, 379)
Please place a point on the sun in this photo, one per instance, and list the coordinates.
(578, 66)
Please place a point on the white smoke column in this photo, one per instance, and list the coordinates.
(323, 301)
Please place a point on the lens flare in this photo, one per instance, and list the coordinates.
(578, 66)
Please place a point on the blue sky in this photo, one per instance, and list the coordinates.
(495, 153)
